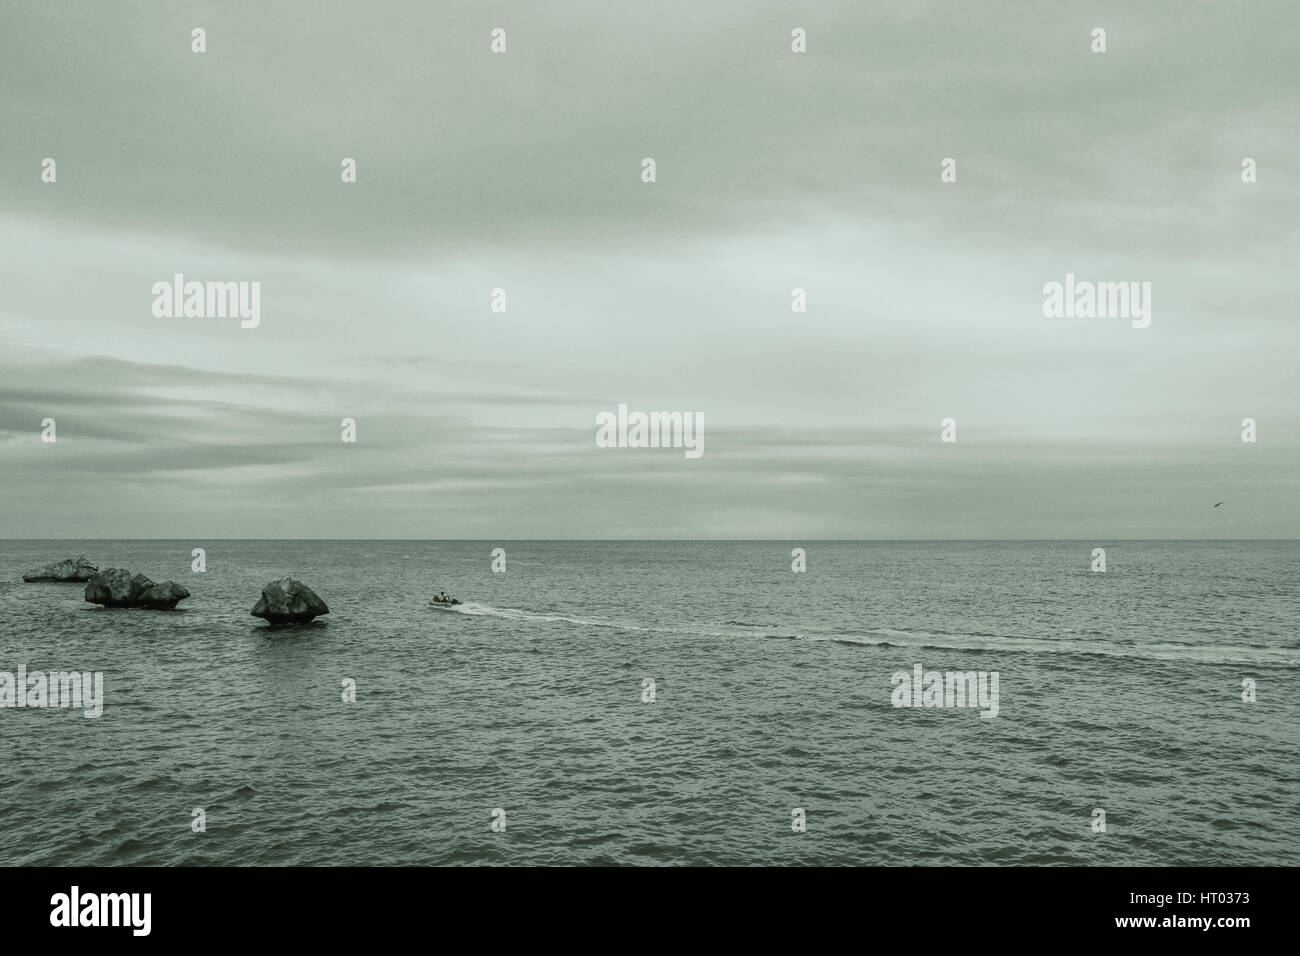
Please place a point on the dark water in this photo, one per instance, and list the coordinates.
(1119, 691)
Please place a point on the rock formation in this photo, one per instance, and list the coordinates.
(116, 587)
(162, 597)
(70, 570)
(288, 601)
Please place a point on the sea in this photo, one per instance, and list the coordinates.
(662, 703)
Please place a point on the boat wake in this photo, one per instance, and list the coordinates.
(475, 609)
(1184, 653)
(919, 640)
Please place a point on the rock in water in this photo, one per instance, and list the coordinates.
(116, 587)
(111, 587)
(163, 597)
(288, 601)
(69, 570)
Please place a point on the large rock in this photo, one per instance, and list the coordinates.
(116, 587)
(288, 601)
(70, 570)
(163, 597)
(112, 587)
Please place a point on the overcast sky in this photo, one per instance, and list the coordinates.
(775, 170)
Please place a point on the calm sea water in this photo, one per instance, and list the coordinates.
(1119, 691)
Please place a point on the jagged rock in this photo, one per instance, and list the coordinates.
(70, 570)
(163, 597)
(288, 601)
(111, 587)
(116, 587)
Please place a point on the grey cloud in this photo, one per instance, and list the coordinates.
(818, 171)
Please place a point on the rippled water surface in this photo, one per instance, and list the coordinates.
(1119, 691)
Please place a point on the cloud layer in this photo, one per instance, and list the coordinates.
(775, 170)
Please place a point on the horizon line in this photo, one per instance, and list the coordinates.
(674, 540)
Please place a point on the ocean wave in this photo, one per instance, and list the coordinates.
(1176, 652)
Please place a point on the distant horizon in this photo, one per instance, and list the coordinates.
(1093, 538)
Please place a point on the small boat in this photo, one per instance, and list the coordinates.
(438, 602)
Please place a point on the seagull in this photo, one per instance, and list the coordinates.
(1218, 504)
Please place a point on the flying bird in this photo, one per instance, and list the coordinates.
(1218, 504)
